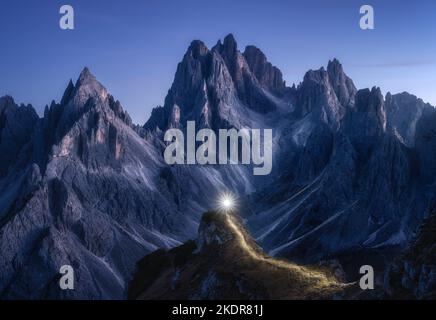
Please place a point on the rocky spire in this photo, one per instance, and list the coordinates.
(268, 76)
(230, 46)
(342, 85)
(371, 104)
(5, 102)
(68, 93)
(16, 127)
(216, 86)
(403, 110)
(197, 49)
(316, 94)
(365, 124)
(85, 76)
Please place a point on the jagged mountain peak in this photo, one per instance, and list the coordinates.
(405, 97)
(370, 98)
(268, 75)
(196, 49)
(316, 75)
(371, 103)
(334, 64)
(342, 84)
(329, 92)
(92, 157)
(16, 127)
(87, 86)
(403, 111)
(230, 43)
(6, 101)
(227, 47)
(59, 119)
(219, 87)
(335, 70)
(68, 92)
(86, 75)
(229, 52)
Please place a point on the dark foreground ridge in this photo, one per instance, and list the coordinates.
(225, 263)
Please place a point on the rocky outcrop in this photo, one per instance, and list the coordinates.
(225, 263)
(413, 275)
(425, 142)
(16, 126)
(326, 93)
(342, 85)
(96, 196)
(85, 187)
(403, 112)
(345, 171)
(219, 88)
(365, 124)
(269, 77)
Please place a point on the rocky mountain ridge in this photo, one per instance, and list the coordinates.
(225, 263)
(84, 186)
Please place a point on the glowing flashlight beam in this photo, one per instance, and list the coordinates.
(226, 202)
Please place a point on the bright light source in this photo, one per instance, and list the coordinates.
(226, 202)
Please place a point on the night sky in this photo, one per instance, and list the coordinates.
(133, 46)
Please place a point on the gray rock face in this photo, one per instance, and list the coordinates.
(268, 76)
(341, 83)
(218, 88)
(413, 275)
(425, 141)
(317, 95)
(365, 124)
(85, 187)
(349, 182)
(98, 199)
(403, 111)
(16, 126)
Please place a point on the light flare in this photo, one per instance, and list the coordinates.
(226, 202)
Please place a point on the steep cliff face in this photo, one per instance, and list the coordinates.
(84, 186)
(413, 275)
(342, 85)
(425, 142)
(95, 195)
(326, 93)
(268, 76)
(346, 182)
(16, 127)
(403, 112)
(220, 88)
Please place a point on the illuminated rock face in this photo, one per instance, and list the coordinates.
(225, 263)
(220, 88)
(84, 186)
(90, 192)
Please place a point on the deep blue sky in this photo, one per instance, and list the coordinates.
(133, 46)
